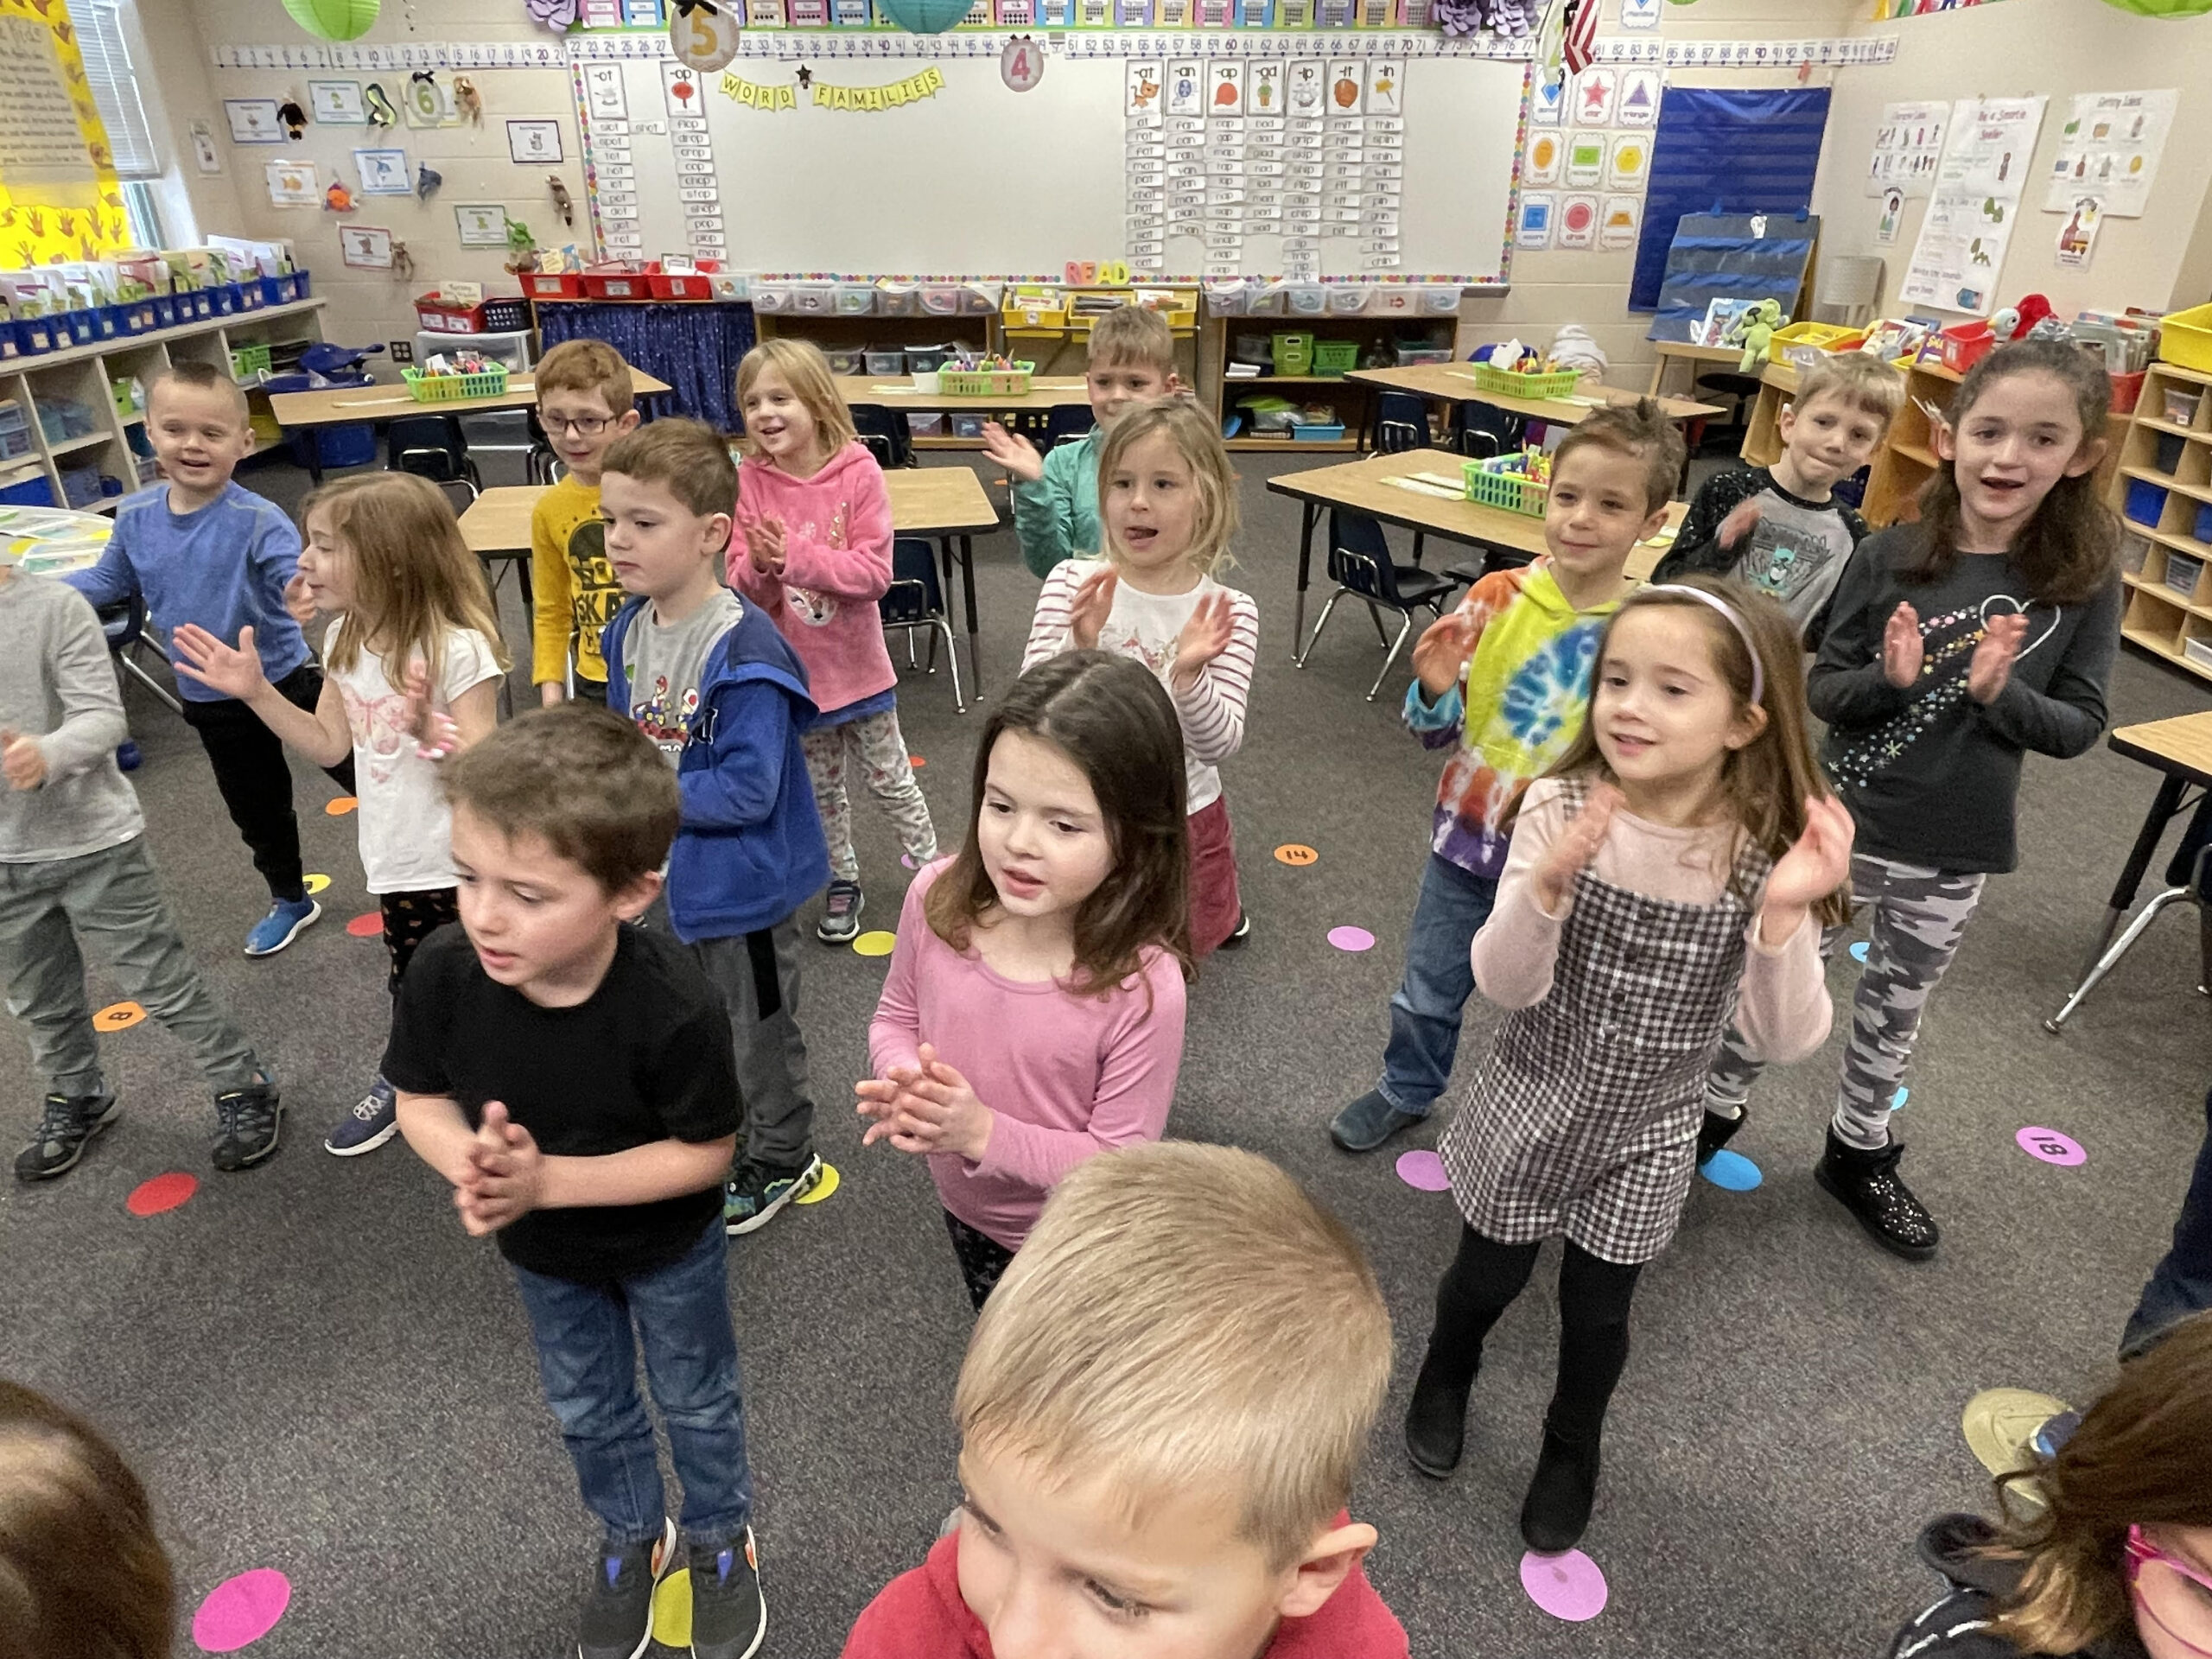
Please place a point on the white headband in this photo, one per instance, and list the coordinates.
(1758, 680)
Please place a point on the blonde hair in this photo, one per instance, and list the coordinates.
(414, 578)
(1135, 334)
(1198, 440)
(806, 371)
(1866, 383)
(587, 365)
(686, 457)
(1184, 1320)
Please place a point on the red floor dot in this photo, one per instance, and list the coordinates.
(162, 1192)
(916, 762)
(369, 925)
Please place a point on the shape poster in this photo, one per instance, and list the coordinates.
(1961, 252)
(2110, 148)
(1908, 149)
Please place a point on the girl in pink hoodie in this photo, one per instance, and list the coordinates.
(815, 521)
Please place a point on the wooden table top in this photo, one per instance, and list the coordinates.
(1364, 487)
(2182, 745)
(925, 501)
(896, 392)
(387, 401)
(1454, 383)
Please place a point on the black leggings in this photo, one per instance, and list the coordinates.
(1593, 1302)
(255, 783)
(982, 1259)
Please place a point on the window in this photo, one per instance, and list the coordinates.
(101, 37)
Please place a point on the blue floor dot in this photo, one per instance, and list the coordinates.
(1732, 1172)
(1897, 1100)
(1859, 951)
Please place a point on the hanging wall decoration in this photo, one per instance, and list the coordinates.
(823, 96)
(1021, 65)
(924, 17)
(333, 20)
(703, 34)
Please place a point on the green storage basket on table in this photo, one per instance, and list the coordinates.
(1560, 383)
(986, 383)
(454, 387)
(1505, 482)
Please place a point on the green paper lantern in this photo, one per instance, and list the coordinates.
(333, 20)
(2163, 8)
(925, 16)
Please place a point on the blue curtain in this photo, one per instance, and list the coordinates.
(694, 346)
(1728, 152)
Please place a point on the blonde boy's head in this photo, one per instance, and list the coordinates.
(1865, 385)
(1131, 360)
(586, 400)
(1184, 1325)
(196, 422)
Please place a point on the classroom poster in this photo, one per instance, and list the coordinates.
(2110, 147)
(1577, 221)
(1547, 101)
(1544, 159)
(1227, 80)
(253, 121)
(293, 184)
(1620, 221)
(1186, 88)
(1908, 149)
(2077, 239)
(1585, 159)
(1960, 255)
(365, 247)
(383, 172)
(1639, 100)
(1594, 91)
(337, 104)
(1144, 89)
(1628, 160)
(1532, 230)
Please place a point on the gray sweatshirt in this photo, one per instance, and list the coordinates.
(57, 685)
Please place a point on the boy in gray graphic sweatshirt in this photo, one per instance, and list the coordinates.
(74, 868)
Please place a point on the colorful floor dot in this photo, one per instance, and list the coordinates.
(1732, 1172)
(1859, 951)
(2000, 1425)
(820, 1190)
(160, 1194)
(1423, 1171)
(315, 884)
(916, 762)
(672, 1607)
(2052, 1147)
(117, 1016)
(907, 858)
(1897, 1100)
(1351, 938)
(876, 944)
(341, 807)
(369, 925)
(241, 1610)
(1295, 854)
(1567, 1586)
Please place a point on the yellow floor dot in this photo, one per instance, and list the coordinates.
(117, 1015)
(315, 883)
(672, 1610)
(877, 943)
(823, 1188)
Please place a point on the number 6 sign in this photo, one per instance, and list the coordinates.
(702, 33)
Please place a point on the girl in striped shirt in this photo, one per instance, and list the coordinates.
(1167, 503)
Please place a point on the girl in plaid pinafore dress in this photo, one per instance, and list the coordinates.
(1661, 878)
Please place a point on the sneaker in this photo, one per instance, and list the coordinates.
(250, 1119)
(281, 925)
(1716, 1132)
(127, 755)
(729, 1615)
(374, 1120)
(617, 1620)
(1241, 932)
(1867, 1183)
(841, 917)
(1369, 1122)
(68, 1122)
(1556, 1512)
(756, 1192)
(1436, 1423)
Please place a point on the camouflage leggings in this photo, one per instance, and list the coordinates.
(1919, 915)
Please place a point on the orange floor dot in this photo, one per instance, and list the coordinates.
(916, 762)
(116, 1016)
(342, 806)
(1292, 853)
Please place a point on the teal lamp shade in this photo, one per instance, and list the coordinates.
(931, 16)
(333, 20)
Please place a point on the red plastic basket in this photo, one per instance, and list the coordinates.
(438, 317)
(554, 285)
(682, 285)
(1965, 344)
(622, 283)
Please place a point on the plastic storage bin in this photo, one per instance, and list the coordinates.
(927, 359)
(891, 360)
(2199, 649)
(2134, 552)
(1292, 353)
(1505, 482)
(682, 284)
(453, 388)
(2204, 521)
(30, 492)
(2185, 338)
(985, 382)
(1407, 356)
(1560, 383)
(2182, 574)
(1961, 345)
(15, 431)
(80, 487)
(554, 285)
(2180, 403)
(2146, 502)
(615, 285)
(1317, 431)
(847, 360)
(1335, 357)
(853, 299)
(2171, 447)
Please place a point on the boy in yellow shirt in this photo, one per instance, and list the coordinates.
(584, 403)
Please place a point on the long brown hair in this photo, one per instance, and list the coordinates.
(2142, 1457)
(414, 578)
(1766, 782)
(82, 1572)
(1112, 717)
(2065, 554)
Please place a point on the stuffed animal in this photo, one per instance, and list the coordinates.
(1574, 349)
(2017, 322)
(1754, 330)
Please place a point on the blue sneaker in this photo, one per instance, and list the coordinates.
(127, 755)
(281, 925)
(374, 1120)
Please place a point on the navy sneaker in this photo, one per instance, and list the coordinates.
(840, 914)
(1238, 934)
(127, 755)
(374, 1120)
(1369, 1122)
(617, 1620)
(729, 1615)
(251, 1120)
(756, 1192)
(283, 923)
(68, 1122)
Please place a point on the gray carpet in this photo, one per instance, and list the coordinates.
(316, 1371)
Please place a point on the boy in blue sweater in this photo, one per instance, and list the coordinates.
(713, 683)
(199, 549)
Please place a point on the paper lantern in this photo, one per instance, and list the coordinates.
(2163, 8)
(333, 20)
(925, 16)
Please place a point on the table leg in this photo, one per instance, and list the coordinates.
(2163, 808)
(1310, 516)
(1658, 374)
(967, 598)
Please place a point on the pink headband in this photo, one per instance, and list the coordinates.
(1758, 680)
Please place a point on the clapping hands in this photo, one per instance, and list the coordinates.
(925, 1107)
(505, 1178)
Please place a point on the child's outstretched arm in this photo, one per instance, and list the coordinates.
(273, 560)
(323, 736)
(1517, 949)
(1213, 674)
(1044, 503)
(2068, 719)
(114, 578)
(1702, 545)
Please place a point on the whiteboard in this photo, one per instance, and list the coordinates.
(976, 180)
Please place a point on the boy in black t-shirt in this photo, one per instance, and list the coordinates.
(572, 1077)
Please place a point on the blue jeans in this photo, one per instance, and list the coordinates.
(588, 1362)
(2181, 1284)
(1440, 978)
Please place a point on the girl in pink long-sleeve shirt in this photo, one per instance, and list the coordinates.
(815, 522)
(1034, 1011)
(1673, 868)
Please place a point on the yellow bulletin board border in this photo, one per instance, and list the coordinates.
(62, 222)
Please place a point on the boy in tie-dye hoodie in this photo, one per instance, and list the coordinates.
(1506, 679)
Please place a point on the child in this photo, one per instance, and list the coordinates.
(710, 680)
(1170, 501)
(200, 550)
(584, 403)
(1661, 872)
(75, 868)
(1130, 362)
(1781, 529)
(1034, 1011)
(1161, 1415)
(570, 1076)
(2011, 566)
(82, 1571)
(414, 663)
(817, 555)
(1506, 677)
(2114, 1559)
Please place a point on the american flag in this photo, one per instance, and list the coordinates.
(1581, 35)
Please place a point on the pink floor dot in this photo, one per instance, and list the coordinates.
(2051, 1147)
(1567, 1586)
(162, 1193)
(1351, 938)
(1423, 1170)
(241, 1610)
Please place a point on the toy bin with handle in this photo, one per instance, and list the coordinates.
(505, 313)
(435, 315)
(1961, 345)
(986, 383)
(1504, 481)
(453, 388)
(554, 285)
(1559, 383)
(619, 282)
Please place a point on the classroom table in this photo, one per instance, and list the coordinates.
(1365, 486)
(1454, 383)
(946, 504)
(898, 392)
(1667, 353)
(2181, 749)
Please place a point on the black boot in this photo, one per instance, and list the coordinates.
(1715, 1133)
(1436, 1419)
(1867, 1183)
(1557, 1509)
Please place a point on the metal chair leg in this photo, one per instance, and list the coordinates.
(161, 692)
(1320, 623)
(951, 656)
(1404, 628)
(1382, 633)
(2110, 960)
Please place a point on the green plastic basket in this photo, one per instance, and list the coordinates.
(1560, 383)
(986, 383)
(1501, 483)
(1335, 357)
(454, 388)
